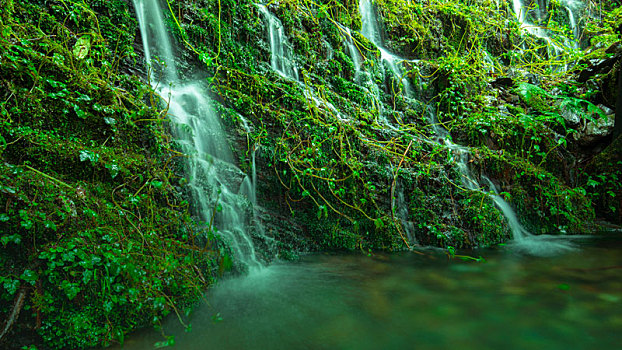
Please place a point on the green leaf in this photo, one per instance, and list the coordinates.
(593, 183)
(10, 285)
(82, 47)
(528, 91)
(379, 223)
(113, 168)
(70, 289)
(90, 156)
(50, 224)
(87, 275)
(29, 276)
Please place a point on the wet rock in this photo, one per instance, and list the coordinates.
(502, 82)
(595, 131)
(598, 66)
(614, 48)
(513, 99)
(572, 116)
(230, 174)
(606, 109)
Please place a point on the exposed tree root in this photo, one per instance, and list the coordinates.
(17, 307)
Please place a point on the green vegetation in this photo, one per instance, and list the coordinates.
(96, 230)
(95, 233)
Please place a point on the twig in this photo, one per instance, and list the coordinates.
(17, 307)
(48, 176)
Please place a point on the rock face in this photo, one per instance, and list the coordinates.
(595, 131)
(330, 124)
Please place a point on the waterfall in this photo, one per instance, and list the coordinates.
(371, 30)
(460, 154)
(519, 11)
(353, 51)
(282, 56)
(573, 6)
(282, 60)
(214, 181)
(361, 77)
(518, 231)
(520, 8)
(152, 28)
(400, 208)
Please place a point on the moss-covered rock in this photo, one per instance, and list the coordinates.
(95, 231)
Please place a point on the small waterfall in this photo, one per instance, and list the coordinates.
(152, 28)
(213, 179)
(518, 231)
(249, 184)
(573, 7)
(283, 62)
(353, 51)
(400, 208)
(369, 23)
(361, 77)
(461, 154)
(521, 11)
(281, 56)
(371, 30)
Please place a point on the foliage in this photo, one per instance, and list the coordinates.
(94, 227)
(343, 165)
(96, 222)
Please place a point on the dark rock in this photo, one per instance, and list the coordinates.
(502, 82)
(594, 132)
(599, 67)
(614, 48)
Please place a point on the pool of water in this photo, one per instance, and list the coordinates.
(568, 300)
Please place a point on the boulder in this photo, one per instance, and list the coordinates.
(595, 131)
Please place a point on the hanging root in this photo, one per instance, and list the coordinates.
(17, 307)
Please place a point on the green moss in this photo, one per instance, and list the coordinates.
(545, 203)
(601, 181)
(95, 229)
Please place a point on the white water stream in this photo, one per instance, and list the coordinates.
(282, 60)
(220, 192)
(371, 30)
(282, 57)
(539, 9)
(522, 239)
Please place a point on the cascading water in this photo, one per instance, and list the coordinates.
(400, 207)
(573, 7)
(361, 77)
(282, 57)
(522, 239)
(371, 30)
(522, 11)
(213, 179)
(355, 55)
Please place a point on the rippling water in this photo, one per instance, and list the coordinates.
(571, 300)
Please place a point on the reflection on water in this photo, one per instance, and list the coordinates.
(572, 300)
(544, 245)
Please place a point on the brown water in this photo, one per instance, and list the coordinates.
(571, 300)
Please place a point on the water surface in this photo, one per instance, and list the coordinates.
(572, 300)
